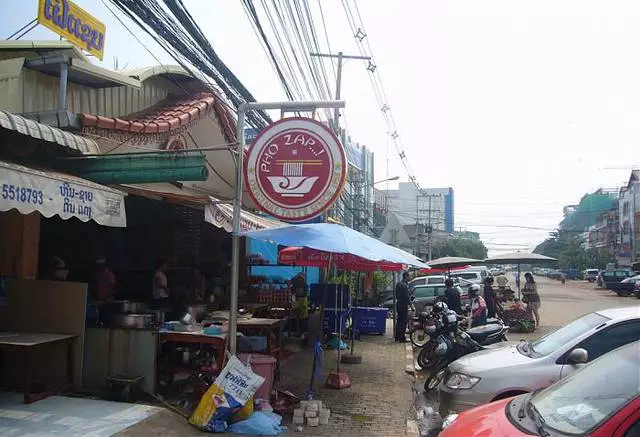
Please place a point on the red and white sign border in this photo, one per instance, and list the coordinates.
(332, 190)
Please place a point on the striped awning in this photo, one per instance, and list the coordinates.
(43, 132)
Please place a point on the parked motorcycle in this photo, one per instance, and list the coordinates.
(422, 327)
(451, 343)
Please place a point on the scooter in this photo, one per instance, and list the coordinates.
(449, 346)
(422, 327)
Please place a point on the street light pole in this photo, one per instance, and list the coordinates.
(303, 106)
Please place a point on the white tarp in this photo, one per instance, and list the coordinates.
(51, 193)
(221, 215)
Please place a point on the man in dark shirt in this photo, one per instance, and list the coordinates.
(452, 293)
(402, 307)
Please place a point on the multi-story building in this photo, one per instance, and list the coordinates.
(603, 236)
(432, 207)
(628, 207)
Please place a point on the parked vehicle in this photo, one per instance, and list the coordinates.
(590, 275)
(571, 274)
(596, 401)
(422, 327)
(611, 277)
(625, 287)
(636, 290)
(423, 295)
(448, 342)
(495, 374)
(427, 280)
(474, 276)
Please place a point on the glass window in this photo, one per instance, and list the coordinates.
(425, 292)
(611, 338)
(585, 399)
(560, 337)
(436, 281)
(634, 430)
(465, 275)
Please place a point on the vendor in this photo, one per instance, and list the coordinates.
(160, 286)
(57, 269)
(196, 286)
(105, 280)
(301, 300)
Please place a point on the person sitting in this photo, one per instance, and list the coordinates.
(478, 306)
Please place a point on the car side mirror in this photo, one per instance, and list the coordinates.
(578, 356)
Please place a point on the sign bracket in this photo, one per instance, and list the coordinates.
(301, 106)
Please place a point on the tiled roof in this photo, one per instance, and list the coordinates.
(176, 113)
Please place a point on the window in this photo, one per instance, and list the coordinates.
(558, 338)
(610, 338)
(425, 292)
(436, 280)
(466, 275)
(634, 430)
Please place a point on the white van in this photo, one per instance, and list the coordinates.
(474, 276)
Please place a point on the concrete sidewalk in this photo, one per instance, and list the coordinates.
(379, 402)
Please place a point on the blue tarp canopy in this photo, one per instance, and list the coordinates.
(334, 238)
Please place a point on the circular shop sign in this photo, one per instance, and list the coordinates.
(295, 169)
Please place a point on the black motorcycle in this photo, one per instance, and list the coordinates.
(452, 343)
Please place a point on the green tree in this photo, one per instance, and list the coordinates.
(459, 247)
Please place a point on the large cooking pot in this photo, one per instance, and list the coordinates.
(138, 321)
(125, 306)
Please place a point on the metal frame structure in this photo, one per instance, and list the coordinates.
(304, 106)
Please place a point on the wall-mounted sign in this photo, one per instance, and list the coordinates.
(295, 169)
(74, 24)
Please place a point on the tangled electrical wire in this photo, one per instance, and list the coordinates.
(177, 32)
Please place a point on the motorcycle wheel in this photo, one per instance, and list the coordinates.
(418, 337)
(427, 358)
(433, 381)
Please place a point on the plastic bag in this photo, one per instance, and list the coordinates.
(244, 412)
(259, 423)
(231, 390)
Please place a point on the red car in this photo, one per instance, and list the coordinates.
(600, 400)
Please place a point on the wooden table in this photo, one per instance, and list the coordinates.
(26, 343)
(265, 328)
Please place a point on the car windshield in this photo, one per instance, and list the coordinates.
(583, 400)
(436, 280)
(425, 291)
(560, 337)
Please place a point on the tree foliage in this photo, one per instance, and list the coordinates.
(567, 248)
(459, 247)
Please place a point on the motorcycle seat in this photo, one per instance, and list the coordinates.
(480, 333)
(492, 320)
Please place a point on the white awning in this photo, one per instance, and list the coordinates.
(51, 193)
(221, 215)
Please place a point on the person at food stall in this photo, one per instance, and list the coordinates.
(105, 280)
(490, 296)
(196, 285)
(160, 285)
(57, 269)
(478, 306)
(301, 300)
(531, 297)
(402, 307)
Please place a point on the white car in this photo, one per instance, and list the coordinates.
(510, 370)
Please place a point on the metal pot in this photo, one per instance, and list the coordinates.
(159, 315)
(125, 306)
(138, 321)
(198, 312)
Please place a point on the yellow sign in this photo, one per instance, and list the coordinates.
(74, 24)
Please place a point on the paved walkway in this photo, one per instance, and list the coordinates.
(378, 403)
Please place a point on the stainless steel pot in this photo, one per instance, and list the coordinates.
(138, 321)
(159, 315)
(125, 306)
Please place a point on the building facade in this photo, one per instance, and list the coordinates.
(433, 207)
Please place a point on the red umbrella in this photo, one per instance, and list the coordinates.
(434, 270)
(306, 257)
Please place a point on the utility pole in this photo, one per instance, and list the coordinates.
(340, 56)
(429, 230)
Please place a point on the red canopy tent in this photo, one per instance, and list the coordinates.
(435, 270)
(306, 257)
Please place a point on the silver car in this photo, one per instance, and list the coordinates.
(514, 369)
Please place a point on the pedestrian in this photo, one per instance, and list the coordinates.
(490, 297)
(452, 295)
(402, 307)
(478, 306)
(161, 286)
(531, 297)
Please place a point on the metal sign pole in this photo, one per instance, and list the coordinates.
(304, 106)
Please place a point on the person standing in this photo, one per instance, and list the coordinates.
(502, 281)
(478, 306)
(490, 297)
(531, 297)
(452, 294)
(160, 285)
(105, 280)
(402, 307)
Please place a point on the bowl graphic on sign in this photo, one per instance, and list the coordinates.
(293, 183)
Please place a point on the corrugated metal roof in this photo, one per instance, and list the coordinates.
(41, 46)
(43, 132)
